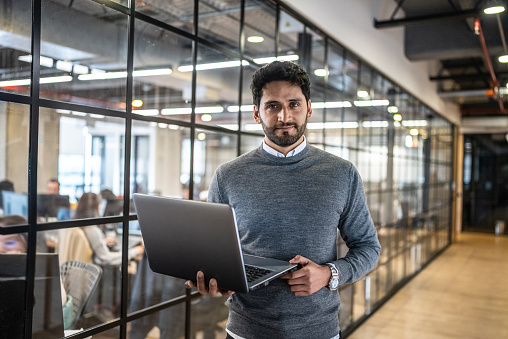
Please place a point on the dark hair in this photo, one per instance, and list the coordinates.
(279, 71)
(88, 206)
(54, 180)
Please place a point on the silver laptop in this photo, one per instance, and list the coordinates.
(182, 237)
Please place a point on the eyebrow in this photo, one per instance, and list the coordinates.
(276, 101)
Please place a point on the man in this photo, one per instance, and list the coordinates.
(289, 199)
(53, 186)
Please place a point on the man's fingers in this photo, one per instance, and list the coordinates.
(201, 283)
(213, 287)
(300, 260)
(189, 284)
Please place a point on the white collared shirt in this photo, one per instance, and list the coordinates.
(291, 153)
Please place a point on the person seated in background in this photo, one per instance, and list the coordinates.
(17, 243)
(53, 186)
(5, 185)
(88, 207)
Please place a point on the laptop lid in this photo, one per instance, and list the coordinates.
(47, 318)
(182, 237)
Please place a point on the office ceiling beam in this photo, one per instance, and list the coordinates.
(426, 19)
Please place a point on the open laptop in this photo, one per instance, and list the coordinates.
(182, 237)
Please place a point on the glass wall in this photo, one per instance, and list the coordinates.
(99, 100)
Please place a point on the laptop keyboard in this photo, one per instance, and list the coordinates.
(254, 273)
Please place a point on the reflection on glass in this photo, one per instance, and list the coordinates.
(176, 14)
(148, 289)
(14, 126)
(89, 71)
(220, 22)
(83, 152)
(211, 149)
(166, 91)
(15, 39)
(217, 89)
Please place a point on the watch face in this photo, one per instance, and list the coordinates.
(335, 283)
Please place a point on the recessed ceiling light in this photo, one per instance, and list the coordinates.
(503, 58)
(320, 72)
(255, 39)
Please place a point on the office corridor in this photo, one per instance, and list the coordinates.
(462, 294)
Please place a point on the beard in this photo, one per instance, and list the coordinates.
(285, 139)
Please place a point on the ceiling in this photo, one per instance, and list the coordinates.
(469, 73)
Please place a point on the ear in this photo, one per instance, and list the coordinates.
(256, 115)
(309, 110)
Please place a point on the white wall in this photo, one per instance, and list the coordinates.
(351, 23)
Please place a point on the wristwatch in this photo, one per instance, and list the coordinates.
(333, 284)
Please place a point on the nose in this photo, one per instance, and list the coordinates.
(284, 114)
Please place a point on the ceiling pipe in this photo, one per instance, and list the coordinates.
(494, 81)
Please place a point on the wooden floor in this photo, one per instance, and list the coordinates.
(462, 294)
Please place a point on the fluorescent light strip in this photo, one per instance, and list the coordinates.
(369, 103)
(148, 112)
(213, 65)
(414, 123)
(380, 123)
(243, 108)
(26, 82)
(44, 61)
(188, 110)
(332, 125)
(236, 63)
(118, 75)
(330, 104)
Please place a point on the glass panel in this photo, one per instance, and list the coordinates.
(260, 19)
(148, 289)
(219, 22)
(15, 47)
(87, 69)
(210, 150)
(217, 88)
(83, 153)
(14, 127)
(250, 143)
(294, 43)
(208, 317)
(168, 323)
(12, 296)
(178, 14)
(163, 90)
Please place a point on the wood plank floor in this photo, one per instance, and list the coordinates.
(462, 294)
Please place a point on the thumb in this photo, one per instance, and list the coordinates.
(300, 260)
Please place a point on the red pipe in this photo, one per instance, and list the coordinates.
(495, 83)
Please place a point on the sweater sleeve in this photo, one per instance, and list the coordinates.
(213, 190)
(358, 231)
(101, 253)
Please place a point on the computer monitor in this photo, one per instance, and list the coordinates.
(47, 320)
(48, 205)
(15, 203)
(113, 207)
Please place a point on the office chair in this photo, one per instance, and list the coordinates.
(80, 280)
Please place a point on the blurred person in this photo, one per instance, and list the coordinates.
(13, 243)
(88, 207)
(53, 186)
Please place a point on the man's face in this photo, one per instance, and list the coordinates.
(283, 113)
(52, 188)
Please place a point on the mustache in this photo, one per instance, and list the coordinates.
(286, 124)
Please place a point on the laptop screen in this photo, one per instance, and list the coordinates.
(47, 319)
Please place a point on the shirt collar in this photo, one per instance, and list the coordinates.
(291, 153)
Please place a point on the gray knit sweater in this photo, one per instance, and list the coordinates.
(289, 206)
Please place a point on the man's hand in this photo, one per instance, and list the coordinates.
(309, 279)
(212, 289)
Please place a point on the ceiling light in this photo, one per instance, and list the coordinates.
(137, 103)
(397, 117)
(212, 65)
(206, 118)
(290, 57)
(147, 112)
(362, 94)
(503, 58)
(393, 109)
(65, 66)
(26, 82)
(494, 7)
(368, 103)
(80, 69)
(243, 108)
(117, 75)
(44, 61)
(255, 39)
(201, 136)
(320, 72)
(413, 131)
